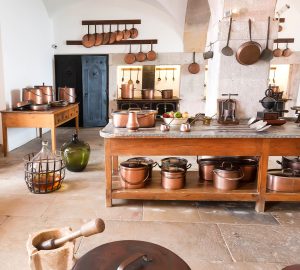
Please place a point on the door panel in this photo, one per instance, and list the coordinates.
(94, 78)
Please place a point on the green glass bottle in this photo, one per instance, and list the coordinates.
(76, 154)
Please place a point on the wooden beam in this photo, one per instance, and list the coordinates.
(108, 22)
(284, 40)
(122, 42)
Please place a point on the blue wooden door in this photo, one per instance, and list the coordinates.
(95, 94)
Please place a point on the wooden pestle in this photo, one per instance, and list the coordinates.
(95, 226)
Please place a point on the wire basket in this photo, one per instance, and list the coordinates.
(44, 175)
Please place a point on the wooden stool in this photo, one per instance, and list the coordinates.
(130, 254)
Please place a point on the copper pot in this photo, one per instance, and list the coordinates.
(227, 177)
(127, 91)
(151, 164)
(282, 180)
(47, 92)
(168, 162)
(34, 95)
(133, 174)
(146, 118)
(249, 169)
(147, 93)
(292, 162)
(173, 178)
(166, 94)
(206, 167)
(67, 94)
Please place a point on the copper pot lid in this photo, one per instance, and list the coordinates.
(130, 254)
(146, 160)
(133, 164)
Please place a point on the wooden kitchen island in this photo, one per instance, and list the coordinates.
(202, 141)
(51, 118)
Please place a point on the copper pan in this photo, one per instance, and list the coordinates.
(105, 36)
(173, 178)
(133, 32)
(140, 56)
(98, 37)
(88, 40)
(151, 55)
(283, 180)
(249, 52)
(129, 57)
(119, 34)
(47, 92)
(194, 68)
(112, 36)
(126, 33)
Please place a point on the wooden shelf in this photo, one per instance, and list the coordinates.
(284, 40)
(194, 190)
(281, 196)
(122, 42)
(110, 22)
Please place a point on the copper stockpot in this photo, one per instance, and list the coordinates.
(168, 162)
(133, 174)
(67, 94)
(147, 93)
(34, 95)
(47, 92)
(249, 169)
(127, 91)
(227, 177)
(173, 178)
(282, 180)
(166, 94)
(206, 167)
(146, 118)
(150, 162)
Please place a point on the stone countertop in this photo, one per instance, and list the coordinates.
(288, 130)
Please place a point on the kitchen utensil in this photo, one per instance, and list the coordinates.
(34, 95)
(164, 127)
(119, 34)
(132, 122)
(267, 54)
(185, 127)
(175, 121)
(151, 55)
(105, 36)
(137, 76)
(147, 93)
(166, 93)
(227, 51)
(194, 68)
(112, 36)
(159, 79)
(206, 167)
(67, 94)
(98, 37)
(173, 78)
(259, 124)
(249, 52)
(130, 80)
(47, 93)
(127, 91)
(177, 162)
(93, 227)
(140, 56)
(150, 162)
(133, 174)
(292, 163)
(249, 169)
(173, 178)
(268, 102)
(277, 52)
(283, 181)
(227, 176)
(133, 32)
(123, 75)
(88, 40)
(287, 51)
(129, 57)
(146, 118)
(209, 54)
(166, 75)
(39, 107)
(280, 28)
(22, 105)
(59, 103)
(126, 33)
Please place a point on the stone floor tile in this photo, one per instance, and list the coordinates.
(31, 205)
(288, 218)
(191, 241)
(170, 211)
(202, 265)
(233, 213)
(274, 244)
(2, 219)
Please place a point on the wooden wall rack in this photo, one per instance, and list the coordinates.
(284, 40)
(109, 22)
(131, 69)
(166, 69)
(122, 42)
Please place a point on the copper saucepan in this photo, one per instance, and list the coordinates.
(129, 57)
(98, 37)
(88, 40)
(249, 52)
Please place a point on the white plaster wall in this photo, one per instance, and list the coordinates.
(26, 35)
(156, 24)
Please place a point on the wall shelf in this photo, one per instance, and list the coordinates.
(110, 22)
(284, 40)
(122, 42)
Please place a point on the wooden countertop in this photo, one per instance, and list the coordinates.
(150, 100)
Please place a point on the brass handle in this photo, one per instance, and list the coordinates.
(132, 259)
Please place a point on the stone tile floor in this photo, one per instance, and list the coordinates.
(207, 235)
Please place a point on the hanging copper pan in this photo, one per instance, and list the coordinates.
(126, 33)
(129, 57)
(105, 36)
(98, 37)
(88, 40)
(119, 34)
(140, 56)
(133, 32)
(194, 68)
(112, 36)
(151, 55)
(249, 52)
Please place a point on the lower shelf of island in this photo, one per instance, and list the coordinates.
(277, 196)
(194, 190)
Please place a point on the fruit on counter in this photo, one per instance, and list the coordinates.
(166, 115)
(171, 113)
(177, 115)
(185, 115)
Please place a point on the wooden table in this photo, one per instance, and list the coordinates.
(201, 141)
(39, 119)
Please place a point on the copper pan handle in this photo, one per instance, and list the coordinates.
(135, 257)
(238, 178)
